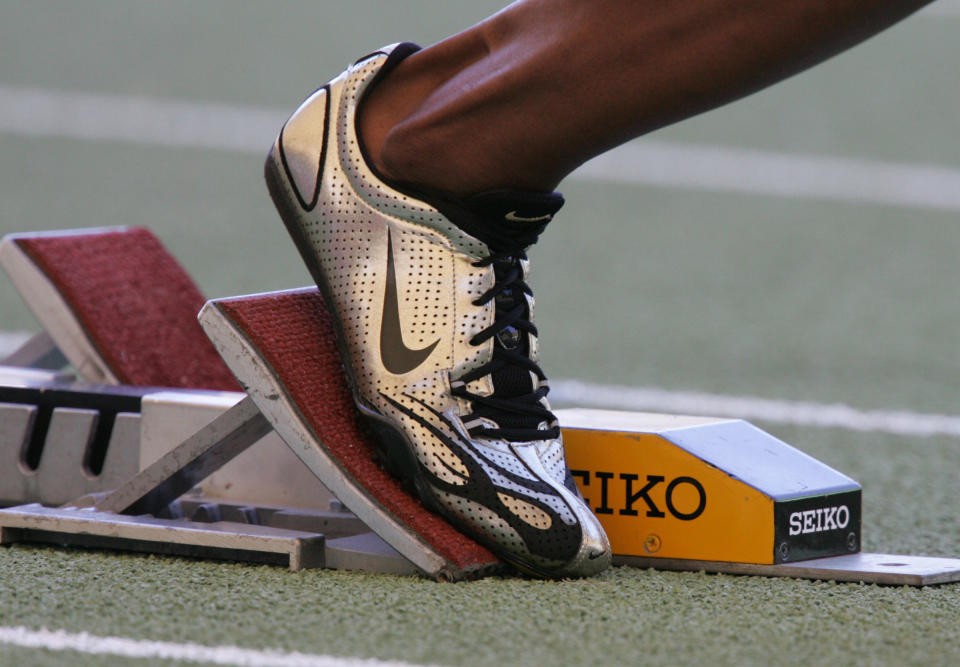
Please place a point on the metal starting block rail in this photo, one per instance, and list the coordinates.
(118, 308)
(159, 509)
(196, 472)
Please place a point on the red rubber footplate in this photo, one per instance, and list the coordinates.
(136, 304)
(293, 333)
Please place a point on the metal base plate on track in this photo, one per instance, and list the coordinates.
(86, 527)
(870, 568)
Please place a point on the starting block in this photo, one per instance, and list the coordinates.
(673, 492)
(44, 414)
(119, 308)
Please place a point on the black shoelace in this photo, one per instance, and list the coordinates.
(515, 406)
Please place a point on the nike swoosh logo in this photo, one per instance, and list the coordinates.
(513, 217)
(395, 355)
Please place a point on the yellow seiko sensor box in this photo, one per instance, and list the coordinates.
(700, 488)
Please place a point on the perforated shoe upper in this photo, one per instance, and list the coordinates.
(435, 325)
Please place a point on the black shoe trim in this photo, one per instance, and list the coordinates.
(400, 53)
(558, 544)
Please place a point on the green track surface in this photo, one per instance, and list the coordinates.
(679, 289)
(624, 616)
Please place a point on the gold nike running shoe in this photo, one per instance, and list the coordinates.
(435, 330)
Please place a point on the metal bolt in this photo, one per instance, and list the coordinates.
(652, 544)
(784, 550)
(852, 542)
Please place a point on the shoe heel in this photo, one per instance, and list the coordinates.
(395, 456)
(392, 452)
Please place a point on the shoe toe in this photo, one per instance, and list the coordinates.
(582, 546)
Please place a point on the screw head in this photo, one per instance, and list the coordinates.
(852, 542)
(783, 550)
(652, 543)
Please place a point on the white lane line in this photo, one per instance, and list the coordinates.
(58, 640)
(802, 413)
(941, 9)
(40, 112)
(180, 124)
(700, 167)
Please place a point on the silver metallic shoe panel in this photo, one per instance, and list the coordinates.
(594, 554)
(367, 185)
(401, 280)
(304, 144)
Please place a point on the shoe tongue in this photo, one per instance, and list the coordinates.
(515, 205)
(511, 219)
(507, 222)
(504, 220)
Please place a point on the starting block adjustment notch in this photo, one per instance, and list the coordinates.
(59, 441)
(16, 424)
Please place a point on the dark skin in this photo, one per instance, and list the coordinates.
(526, 96)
